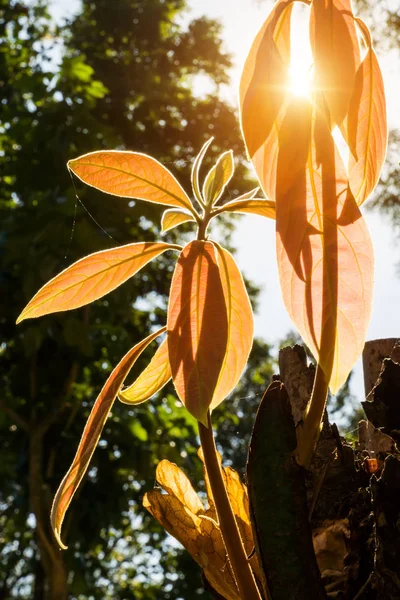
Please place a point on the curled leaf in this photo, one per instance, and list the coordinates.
(151, 380)
(173, 217)
(196, 170)
(218, 177)
(91, 435)
(130, 175)
(92, 277)
(255, 206)
(197, 327)
(366, 124)
(240, 325)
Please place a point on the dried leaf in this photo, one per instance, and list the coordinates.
(92, 277)
(366, 126)
(240, 325)
(197, 327)
(130, 175)
(151, 380)
(336, 51)
(173, 217)
(91, 435)
(174, 481)
(196, 170)
(264, 81)
(325, 255)
(218, 177)
(184, 516)
(255, 206)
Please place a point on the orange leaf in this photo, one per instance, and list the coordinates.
(151, 380)
(256, 206)
(197, 327)
(325, 255)
(336, 51)
(366, 127)
(240, 325)
(173, 217)
(91, 435)
(92, 277)
(130, 175)
(264, 80)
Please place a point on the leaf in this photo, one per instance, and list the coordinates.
(196, 170)
(325, 255)
(248, 195)
(336, 52)
(367, 126)
(181, 512)
(130, 175)
(240, 326)
(218, 177)
(91, 435)
(197, 327)
(92, 277)
(264, 208)
(173, 217)
(264, 81)
(151, 380)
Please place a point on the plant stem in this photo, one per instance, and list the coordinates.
(229, 529)
(312, 421)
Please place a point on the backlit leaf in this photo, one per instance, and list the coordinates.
(173, 217)
(366, 127)
(325, 255)
(196, 170)
(197, 327)
(248, 195)
(264, 208)
(92, 277)
(130, 175)
(240, 326)
(264, 80)
(91, 435)
(218, 177)
(336, 52)
(151, 380)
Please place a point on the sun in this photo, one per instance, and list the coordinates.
(301, 60)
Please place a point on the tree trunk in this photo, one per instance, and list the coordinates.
(50, 556)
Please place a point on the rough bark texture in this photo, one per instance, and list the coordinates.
(353, 491)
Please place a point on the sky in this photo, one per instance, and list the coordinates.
(254, 237)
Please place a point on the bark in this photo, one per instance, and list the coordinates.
(352, 490)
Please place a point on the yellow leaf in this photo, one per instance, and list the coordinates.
(255, 206)
(91, 435)
(218, 177)
(366, 125)
(92, 277)
(173, 217)
(151, 380)
(130, 175)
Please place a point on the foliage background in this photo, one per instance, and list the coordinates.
(119, 75)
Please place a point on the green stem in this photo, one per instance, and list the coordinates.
(312, 421)
(229, 529)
